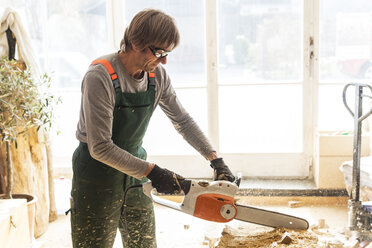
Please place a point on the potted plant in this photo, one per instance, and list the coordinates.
(25, 104)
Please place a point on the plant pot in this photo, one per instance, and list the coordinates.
(31, 204)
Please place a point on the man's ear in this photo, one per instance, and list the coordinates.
(134, 48)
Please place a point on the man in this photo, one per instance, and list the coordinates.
(119, 94)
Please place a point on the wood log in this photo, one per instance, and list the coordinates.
(39, 160)
(31, 174)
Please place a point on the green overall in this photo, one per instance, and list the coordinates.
(98, 189)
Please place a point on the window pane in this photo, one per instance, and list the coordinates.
(261, 119)
(260, 40)
(333, 115)
(77, 34)
(186, 64)
(345, 40)
(161, 137)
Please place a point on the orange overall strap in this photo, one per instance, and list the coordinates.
(108, 67)
(114, 76)
(151, 78)
(151, 74)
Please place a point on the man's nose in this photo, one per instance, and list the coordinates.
(163, 60)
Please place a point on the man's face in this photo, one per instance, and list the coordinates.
(152, 57)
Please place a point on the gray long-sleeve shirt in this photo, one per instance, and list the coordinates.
(96, 115)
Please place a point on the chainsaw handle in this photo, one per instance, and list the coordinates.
(148, 191)
(184, 183)
(147, 188)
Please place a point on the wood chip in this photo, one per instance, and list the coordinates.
(321, 223)
(286, 239)
(294, 204)
(334, 244)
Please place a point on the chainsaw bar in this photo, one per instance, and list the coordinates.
(269, 218)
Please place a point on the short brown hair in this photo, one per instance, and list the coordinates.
(150, 27)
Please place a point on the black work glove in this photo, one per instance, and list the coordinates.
(165, 181)
(221, 171)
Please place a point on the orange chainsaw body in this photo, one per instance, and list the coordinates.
(208, 207)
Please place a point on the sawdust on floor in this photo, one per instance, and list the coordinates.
(278, 237)
(178, 230)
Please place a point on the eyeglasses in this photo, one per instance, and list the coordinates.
(158, 52)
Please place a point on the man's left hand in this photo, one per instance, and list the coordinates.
(221, 171)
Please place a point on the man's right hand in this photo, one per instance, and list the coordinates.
(165, 181)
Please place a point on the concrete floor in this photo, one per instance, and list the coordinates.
(176, 229)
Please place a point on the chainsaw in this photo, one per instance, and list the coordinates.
(214, 201)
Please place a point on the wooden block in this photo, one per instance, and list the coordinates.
(334, 244)
(294, 204)
(286, 239)
(321, 223)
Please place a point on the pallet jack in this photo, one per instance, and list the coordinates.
(359, 213)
